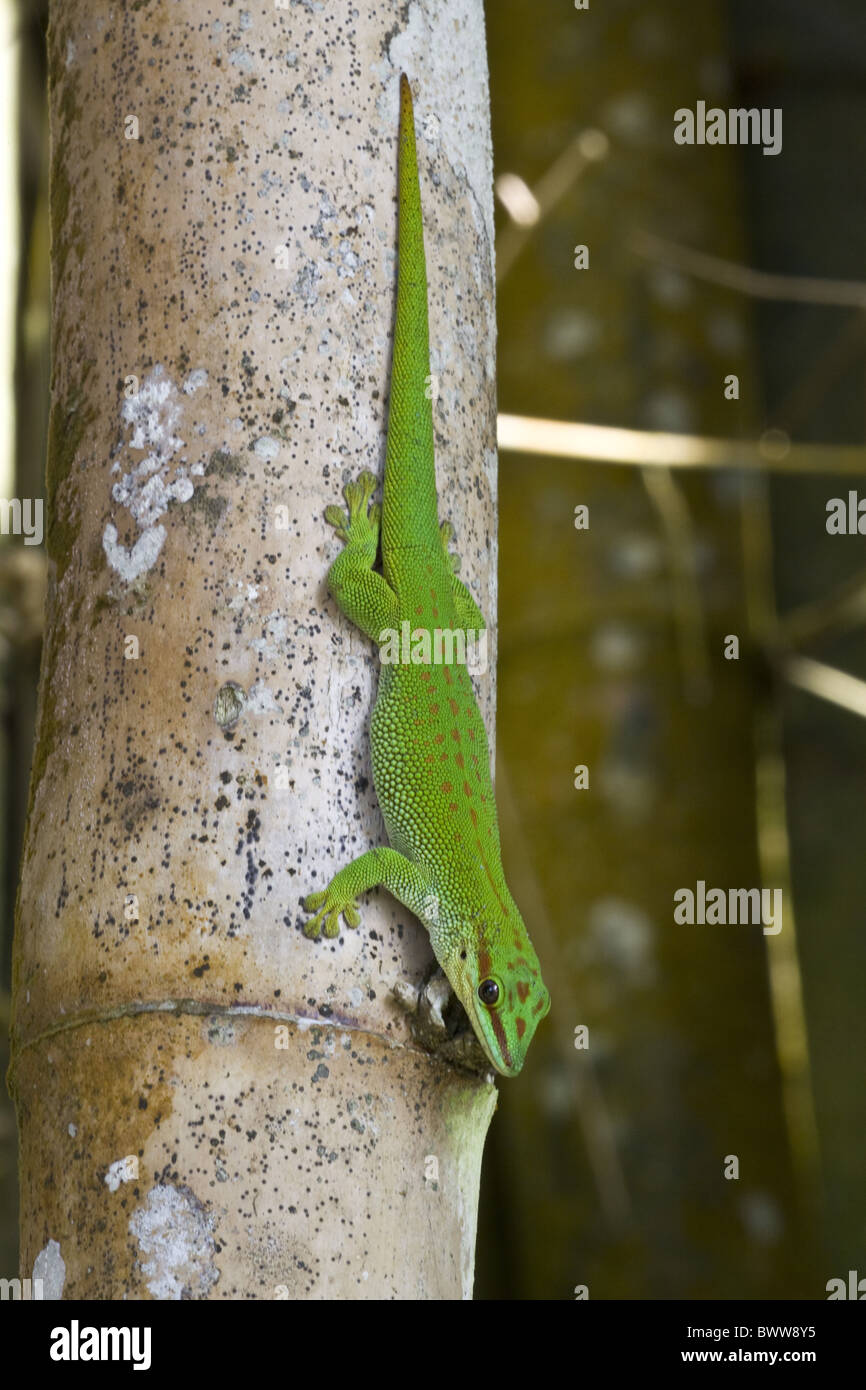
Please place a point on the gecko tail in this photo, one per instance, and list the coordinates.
(409, 508)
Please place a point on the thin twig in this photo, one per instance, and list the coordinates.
(774, 857)
(670, 503)
(844, 608)
(759, 284)
(773, 452)
(827, 683)
(587, 147)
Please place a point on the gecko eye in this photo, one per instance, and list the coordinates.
(488, 993)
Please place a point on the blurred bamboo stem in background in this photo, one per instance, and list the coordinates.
(786, 985)
(783, 962)
(773, 451)
(657, 453)
(592, 1111)
(9, 247)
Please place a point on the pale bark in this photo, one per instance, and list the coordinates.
(254, 1169)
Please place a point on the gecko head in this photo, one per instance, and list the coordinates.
(499, 984)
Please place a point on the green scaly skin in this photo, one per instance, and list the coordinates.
(430, 759)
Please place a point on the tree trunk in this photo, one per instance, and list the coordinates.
(211, 1105)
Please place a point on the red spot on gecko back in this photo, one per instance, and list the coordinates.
(522, 991)
(520, 1026)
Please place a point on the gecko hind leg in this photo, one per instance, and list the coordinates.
(469, 615)
(360, 592)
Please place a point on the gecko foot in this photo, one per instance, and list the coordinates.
(446, 535)
(328, 911)
(362, 523)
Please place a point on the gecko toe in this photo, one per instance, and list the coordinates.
(336, 517)
(332, 923)
(446, 535)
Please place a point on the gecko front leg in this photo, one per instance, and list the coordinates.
(409, 883)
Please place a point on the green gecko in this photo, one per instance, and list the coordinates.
(431, 766)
